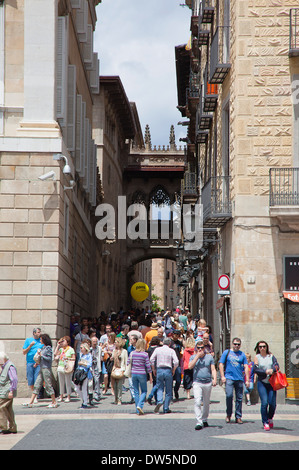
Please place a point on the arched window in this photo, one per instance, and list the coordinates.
(160, 204)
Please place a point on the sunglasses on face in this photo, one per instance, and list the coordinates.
(237, 344)
(262, 346)
(200, 347)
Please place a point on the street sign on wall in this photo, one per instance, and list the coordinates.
(224, 282)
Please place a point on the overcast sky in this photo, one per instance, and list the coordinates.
(136, 40)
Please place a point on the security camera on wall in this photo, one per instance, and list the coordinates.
(47, 176)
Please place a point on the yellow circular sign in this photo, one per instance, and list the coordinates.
(139, 291)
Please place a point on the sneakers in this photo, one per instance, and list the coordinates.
(140, 410)
(270, 422)
(266, 427)
(198, 427)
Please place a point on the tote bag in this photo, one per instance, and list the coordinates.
(278, 380)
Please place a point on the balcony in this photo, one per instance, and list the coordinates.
(206, 15)
(202, 137)
(294, 32)
(215, 198)
(284, 187)
(284, 196)
(220, 55)
(193, 92)
(210, 94)
(204, 118)
(194, 18)
(189, 187)
(203, 34)
(206, 11)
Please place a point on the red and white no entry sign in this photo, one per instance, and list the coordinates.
(223, 282)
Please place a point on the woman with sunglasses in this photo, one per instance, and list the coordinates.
(265, 364)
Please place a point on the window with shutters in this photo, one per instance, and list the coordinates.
(92, 173)
(79, 132)
(87, 155)
(83, 135)
(82, 21)
(71, 108)
(94, 74)
(88, 47)
(61, 69)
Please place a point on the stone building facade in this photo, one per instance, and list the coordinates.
(243, 145)
(48, 189)
(65, 138)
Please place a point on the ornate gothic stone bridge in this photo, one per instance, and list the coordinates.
(153, 177)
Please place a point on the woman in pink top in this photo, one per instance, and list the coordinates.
(188, 374)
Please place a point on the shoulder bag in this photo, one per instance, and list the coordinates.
(37, 358)
(69, 366)
(117, 373)
(278, 380)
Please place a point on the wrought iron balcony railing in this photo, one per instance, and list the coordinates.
(206, 11)
(220, 55)
(189, 185)
(284, 187)
(215, 198)
(210, 94)
(294, 32)
(204, 119)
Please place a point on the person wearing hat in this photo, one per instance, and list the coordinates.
(151, 333)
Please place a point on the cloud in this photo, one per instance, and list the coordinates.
(136, 40)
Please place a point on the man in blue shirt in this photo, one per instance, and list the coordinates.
(30, 347)
(231, 366)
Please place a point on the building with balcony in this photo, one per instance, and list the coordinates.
(246, 159)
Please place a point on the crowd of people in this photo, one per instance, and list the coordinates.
(162, 349)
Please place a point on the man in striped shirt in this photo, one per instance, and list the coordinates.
(164, 362)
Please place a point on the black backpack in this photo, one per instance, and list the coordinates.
(79, 376)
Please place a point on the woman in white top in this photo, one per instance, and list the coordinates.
(265, 364)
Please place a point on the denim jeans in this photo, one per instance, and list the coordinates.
(32, 373)
(268, 399)
(230, 386)
(164, 382)
(153, 392)
(177, 379)
(139, 380)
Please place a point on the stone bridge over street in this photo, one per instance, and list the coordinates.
(153, 177)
